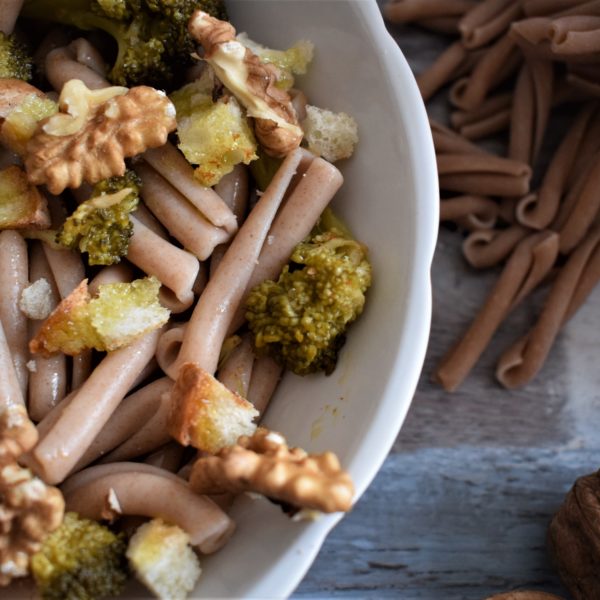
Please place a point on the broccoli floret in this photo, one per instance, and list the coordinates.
(81, 560)
(213, 135)
(121, 313)
(301, 319)
(153, 44)
(101, 226)
(15, 62)
(161, 557)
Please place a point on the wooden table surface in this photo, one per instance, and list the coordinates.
(461, 506)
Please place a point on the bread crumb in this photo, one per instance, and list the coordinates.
(330, 135)
(36, 300)
(31, 366)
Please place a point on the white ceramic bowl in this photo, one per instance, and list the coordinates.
(390, 200)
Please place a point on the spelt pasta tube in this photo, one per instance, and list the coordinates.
(293, 223)
(148, 437)
(442, 70)
(528, 265)
(168, 457)
(171, 164)
(531, 110)
(487, 20)
(86, 54)
(149, 493)
(498, 63)
(181, 219)
(14, 278)
(220, 299)
(87, 412)
(474, 212)
(169, 345)
(540, 8)
(584, 83)
(145, 217)
(576, 34)
(266, 374)
(539, 211)
(48, 381)
(492, 116)
(447, 141)
(447, 25)
(236, 371)
(9, 11)
(176, 269)
(121, 273)
(520, 363)
(585, 8)
(406, 11)
(62, 66)
(9, 384)
(483, 175)
(487, 248)
(131, 414)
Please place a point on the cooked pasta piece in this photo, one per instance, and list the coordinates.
(487, 20)
(266, 374)
(236, 371)
(62, 66)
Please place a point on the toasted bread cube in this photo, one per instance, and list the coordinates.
(21, 204)
(330, 135)
(206, 414)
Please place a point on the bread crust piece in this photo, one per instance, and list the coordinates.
(205, 414)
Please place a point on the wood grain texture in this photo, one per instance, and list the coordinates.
(459, 510)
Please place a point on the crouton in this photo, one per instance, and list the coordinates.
(330, 135)
(21, 204)
(205, 414)
(161, 557)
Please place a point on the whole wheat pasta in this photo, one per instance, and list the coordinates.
(491, 106)
(447, 141)
(201, 279)
(530, 262)
(145, 217)
(531, 110)
(62, 66)
(486, 126)
(498, 63)
(14, 278)
(48, 380)
(67, 268)
(131, 414)
(576, 34)
(176, 269)
(150, 494)
(181, 219)
(292, 224)
(8, 15)
(542, 8)
(540, 212)
(487, 20)
(11, 390)
(120, 273)
(586, 152)
(590, 87)
(149, 436)
(447, 25)
(589, 8)
(441, 71)
(86, 54)
(87, 412)
(266, 374)
(483, 174)
(169, 345)
(584, 211)
(525, 358)
(171, 164)
(406, 11)
(299, 102)
(168, 457)
(475, 212)
(487, 248)
(220, 299)
(236, 371)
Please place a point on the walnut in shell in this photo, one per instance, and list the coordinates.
(263, 463)
(94, 132)
(574, 538)
(252, 82)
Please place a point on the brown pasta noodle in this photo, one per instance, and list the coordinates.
(442, 70)
(146, 218)
(14, 278)
(62, 66)
(489, 107)
(167, 458)
(486, 126)
(486, 21)
(11, 390)
(449, 142)
(478, 212)
(525, 358)
(266, 374)
(530, 262)
(540, 8)
(589, 8)
(406, 11)
(447, 25)
(487, 248)
(590, 87)
(8, 15)
(236, 371)
(575, 35)
(169, 345)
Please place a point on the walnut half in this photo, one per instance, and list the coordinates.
(263, 463)
(94, 132)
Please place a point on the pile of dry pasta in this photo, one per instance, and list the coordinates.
(509, 65)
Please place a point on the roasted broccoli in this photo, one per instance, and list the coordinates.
(300, 319)
(214, 135)
(161, 557)
(81, 560)
(101, 226)
(151, 35)
(15, 62)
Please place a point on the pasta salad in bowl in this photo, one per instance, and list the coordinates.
(216, 227)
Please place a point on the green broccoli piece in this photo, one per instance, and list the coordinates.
(81, 560)
(301, 319)
(15, 62)
(153, 43)
(101, 226)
